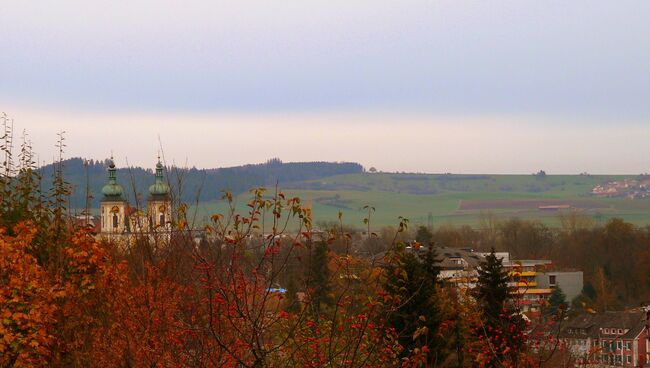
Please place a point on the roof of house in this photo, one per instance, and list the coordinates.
(592, 325)
(447, 256)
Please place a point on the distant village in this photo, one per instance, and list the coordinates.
(626, 188)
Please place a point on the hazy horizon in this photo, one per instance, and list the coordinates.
(411, 143)
(424, 86)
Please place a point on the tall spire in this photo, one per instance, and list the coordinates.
(112, 190)
(112, 175)
(159, 188)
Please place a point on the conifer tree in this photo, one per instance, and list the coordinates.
(292, 302)
(318, 281)
(502, 325)
(492, 291)
(412, 280)
(557, 300)
(423, 235)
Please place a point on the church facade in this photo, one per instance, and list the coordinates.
(119, 219)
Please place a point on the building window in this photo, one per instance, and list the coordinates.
(628, 345)
(620, 331)
(628, 359)
(162, 219)
(619, 344)
(607, 331)
(115, 220)
(551, 279)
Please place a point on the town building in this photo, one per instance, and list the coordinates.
(608, 339)
(533, 281)
(459, 266)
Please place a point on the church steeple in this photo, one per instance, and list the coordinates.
(160, 189)
(112, 190)
(159, 204)
(113, 205)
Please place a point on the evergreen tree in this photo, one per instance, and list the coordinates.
(412, 280)
(556, 301)
(423, 235)
(502, 325)
(292, 303)
(318, 280)
(492, 291)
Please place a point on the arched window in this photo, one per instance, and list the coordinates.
(115, 222)
(162, 219)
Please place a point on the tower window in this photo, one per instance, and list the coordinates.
(115, 222)
(162, 219)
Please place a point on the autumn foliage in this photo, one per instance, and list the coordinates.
(183, 305)
(27, 303)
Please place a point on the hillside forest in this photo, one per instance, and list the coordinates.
(86, 178)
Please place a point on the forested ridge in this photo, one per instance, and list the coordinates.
(201, 184)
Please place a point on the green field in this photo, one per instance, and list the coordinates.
(452, 199)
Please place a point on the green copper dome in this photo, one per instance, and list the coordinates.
(159, 188)
(112, 190)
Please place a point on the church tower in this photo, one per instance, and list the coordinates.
(113, 205)
(159, 203)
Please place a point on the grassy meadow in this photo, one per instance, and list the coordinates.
(451, 199)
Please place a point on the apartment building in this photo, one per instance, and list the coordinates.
(609, 339)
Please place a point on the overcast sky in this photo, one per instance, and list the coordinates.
(429, 86)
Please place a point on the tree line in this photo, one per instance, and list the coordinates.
(614, 256)
(86, 177)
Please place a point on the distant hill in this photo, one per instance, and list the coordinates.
(457, 199)
(346, 187)
(208, 183)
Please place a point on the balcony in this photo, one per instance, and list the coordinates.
(527, 284)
